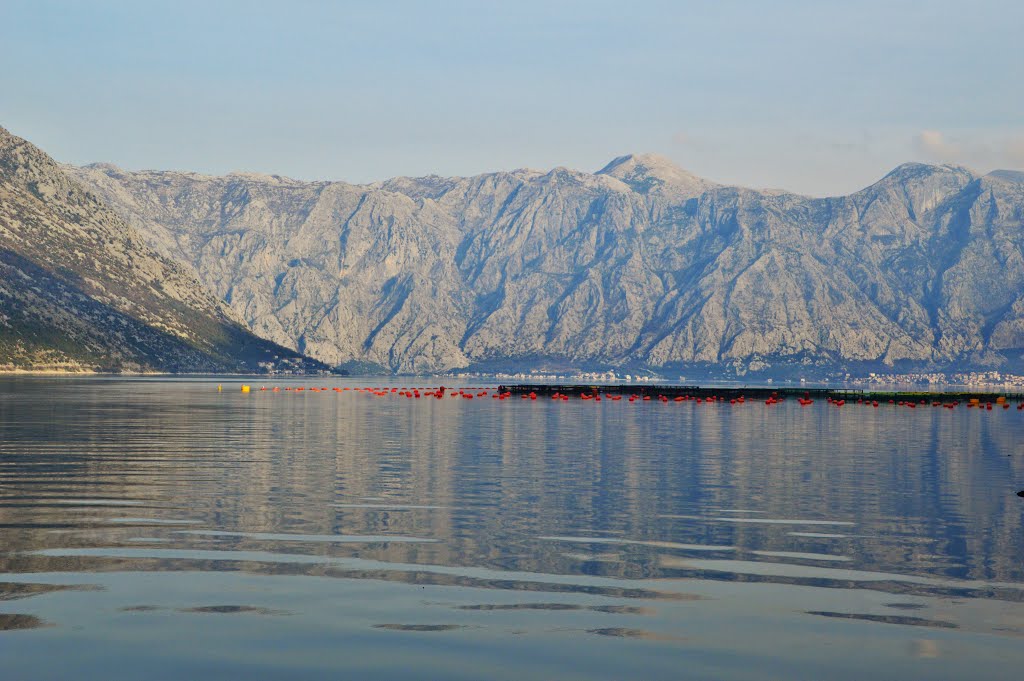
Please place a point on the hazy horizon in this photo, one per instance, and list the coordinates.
(813, 98)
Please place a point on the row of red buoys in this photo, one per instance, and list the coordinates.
(597, 396)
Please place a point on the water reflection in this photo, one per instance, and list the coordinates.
(13, 622)
(888, 619)
(419, 627)
(231, 610)
(642, 501)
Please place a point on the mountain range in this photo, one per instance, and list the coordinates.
(640, 265)
(81, 291)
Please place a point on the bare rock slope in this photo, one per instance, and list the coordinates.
(639, 264)
(81, 290)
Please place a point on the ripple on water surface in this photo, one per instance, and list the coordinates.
(308, 532)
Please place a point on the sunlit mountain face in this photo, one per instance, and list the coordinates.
(640, 264)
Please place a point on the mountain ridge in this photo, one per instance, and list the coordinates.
(652, 160)
(638, 264)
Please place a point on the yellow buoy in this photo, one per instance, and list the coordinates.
(219, 388)
(245, 388)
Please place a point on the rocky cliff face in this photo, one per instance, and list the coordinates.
(79, 289)
(640, 263)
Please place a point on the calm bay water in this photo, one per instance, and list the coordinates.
(158, 529)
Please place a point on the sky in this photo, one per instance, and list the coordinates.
(817, 97)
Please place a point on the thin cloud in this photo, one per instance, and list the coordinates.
(992, 152)
(934, 145)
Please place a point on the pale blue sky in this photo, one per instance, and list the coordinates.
(814, 96)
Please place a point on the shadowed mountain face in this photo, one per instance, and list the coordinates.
(80, 290)
(639, 264)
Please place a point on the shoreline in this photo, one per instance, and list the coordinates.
(49, 372)
(631, 387)
(137, 374)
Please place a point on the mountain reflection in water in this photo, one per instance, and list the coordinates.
(393, 538)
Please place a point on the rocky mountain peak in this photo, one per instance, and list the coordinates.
(920, 187)
(103, 167)
(647, 172)
(915, 170)
(1012, 176)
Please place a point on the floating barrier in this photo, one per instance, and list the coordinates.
(695, 393)
(680, 395)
